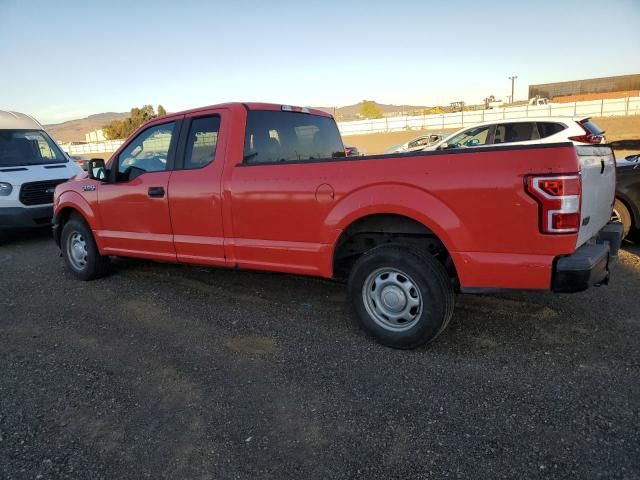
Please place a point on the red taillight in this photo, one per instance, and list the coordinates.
(588, 137)
(560, 186)
(559, 199)
(565, 221)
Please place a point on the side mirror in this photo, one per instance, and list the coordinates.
(443, 146)
(97, 169)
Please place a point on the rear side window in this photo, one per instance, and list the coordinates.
(201, 142)
(273, 136)
(546, 129)
(515, 132)
(591, 127)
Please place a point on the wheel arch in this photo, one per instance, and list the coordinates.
(372, 230)
(393, 205)
(70, 203)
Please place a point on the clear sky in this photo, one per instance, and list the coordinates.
(67, 59)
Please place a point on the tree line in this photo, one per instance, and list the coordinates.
(123, 128)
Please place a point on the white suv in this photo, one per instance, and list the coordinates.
(524, 131)
(31, 165)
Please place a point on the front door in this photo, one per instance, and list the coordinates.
(134, 207)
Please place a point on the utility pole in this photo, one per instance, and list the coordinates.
(513, 82)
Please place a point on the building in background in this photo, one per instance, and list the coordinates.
(95, 136)
(588, 89)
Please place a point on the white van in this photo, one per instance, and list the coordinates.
(31, 165)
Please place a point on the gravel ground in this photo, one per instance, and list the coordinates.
(163, 371)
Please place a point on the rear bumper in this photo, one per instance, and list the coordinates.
(589, 264)
(25, 217)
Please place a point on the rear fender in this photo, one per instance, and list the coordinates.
(396, 198)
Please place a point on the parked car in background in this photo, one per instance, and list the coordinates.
(80, 161)
(31, 166)
(525, 131)
(351, 151)
(418, 143)
(539, 101)
(406, 230)
(627, 206)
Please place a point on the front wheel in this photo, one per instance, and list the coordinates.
(80, 251)
(402, 297)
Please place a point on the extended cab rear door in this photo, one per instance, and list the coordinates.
(280, 195)
(195, 200)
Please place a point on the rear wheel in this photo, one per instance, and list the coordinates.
(402, 297)
(80, 251)
(621, 214)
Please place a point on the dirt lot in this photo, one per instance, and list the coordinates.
(624, 132)
(163, 371)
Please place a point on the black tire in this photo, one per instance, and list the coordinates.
(95, 265)
(432, 289)
(621, 213)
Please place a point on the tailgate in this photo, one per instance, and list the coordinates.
(597, 167)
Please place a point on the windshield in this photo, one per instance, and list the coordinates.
(28, 147)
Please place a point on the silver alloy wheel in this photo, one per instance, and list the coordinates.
(77, 251)
(392, 299)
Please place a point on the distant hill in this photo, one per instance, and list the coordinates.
(74, 130)
(350, 112)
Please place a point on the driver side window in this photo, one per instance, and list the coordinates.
(148, 152)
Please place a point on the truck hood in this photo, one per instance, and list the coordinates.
(16, 176)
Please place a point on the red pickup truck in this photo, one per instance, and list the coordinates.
(269, 187)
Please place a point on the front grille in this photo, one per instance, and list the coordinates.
(39, 193)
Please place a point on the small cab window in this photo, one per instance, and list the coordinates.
(546, 129)
(515, 132)
(274, 136)
(202, 140)
(28, 147)
(148, 152)
(470, 138)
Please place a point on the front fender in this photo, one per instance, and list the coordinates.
(400, 199)
(73, 200)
